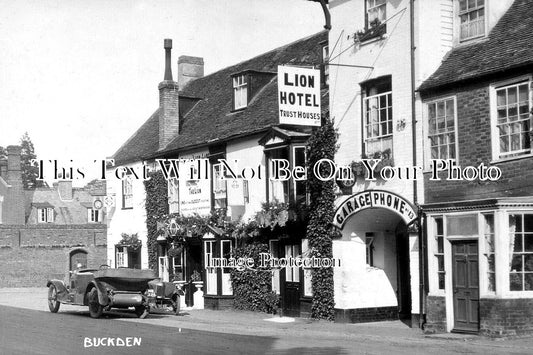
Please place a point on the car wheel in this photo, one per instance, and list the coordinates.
(142, 311)
(53, 303)
(95, 308)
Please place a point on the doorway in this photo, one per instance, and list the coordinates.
(404, 272)
(465, 286)
(291, 288)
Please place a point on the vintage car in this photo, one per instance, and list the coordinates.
(164, 295)
(102, 289)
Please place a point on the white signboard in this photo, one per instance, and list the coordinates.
(235, 192)
(195, 195)
(299, 96)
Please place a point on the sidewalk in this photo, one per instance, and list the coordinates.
(254, 323)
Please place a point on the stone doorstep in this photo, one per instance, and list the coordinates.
(453, 336)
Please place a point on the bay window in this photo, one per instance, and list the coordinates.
(521, 252)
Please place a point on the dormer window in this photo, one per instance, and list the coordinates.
(45, 215)
(471, 18)
(240, 91)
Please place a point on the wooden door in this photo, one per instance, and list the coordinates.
(465, 286)
(291, 289)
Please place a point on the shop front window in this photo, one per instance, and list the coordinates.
(439, 251)
(211, 272)
(308, 285)
(274, 251)
(226, 250)
(521, 252)
(489, 251)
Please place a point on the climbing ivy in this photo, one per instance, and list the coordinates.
(252, 288)
(156, 209)
(320, 231)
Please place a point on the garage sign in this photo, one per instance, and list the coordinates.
(374, 199)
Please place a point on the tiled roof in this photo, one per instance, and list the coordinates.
(509, 45)
(212, 119)
(143, 142)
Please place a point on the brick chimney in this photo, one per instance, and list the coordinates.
(14, 202)
(169, 121)
(189, 68)
(65, 190)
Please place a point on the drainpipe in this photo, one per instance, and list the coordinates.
(324, 3)
(327, 26)
(421, 250)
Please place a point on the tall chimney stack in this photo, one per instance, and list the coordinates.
(189, 68)
(168, 102)
(14, 213)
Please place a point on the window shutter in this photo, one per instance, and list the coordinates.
(50, 215)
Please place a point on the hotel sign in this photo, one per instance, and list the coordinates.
(374, 199)
(299, 96)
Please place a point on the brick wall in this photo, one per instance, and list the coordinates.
(218, 303)
(435, 315)
(360, 315)
(474, 140)
(30, 255)
(506, 317)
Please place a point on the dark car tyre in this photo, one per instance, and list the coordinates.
(95, 308)
(142, 311)
(53, 303)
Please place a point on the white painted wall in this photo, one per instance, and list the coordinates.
(126, 220)
(249, 154)
(356, 285)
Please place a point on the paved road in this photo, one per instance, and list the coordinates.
(25, 331)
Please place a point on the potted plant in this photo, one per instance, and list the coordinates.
(196, 279)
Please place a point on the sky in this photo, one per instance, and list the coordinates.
(81, 76)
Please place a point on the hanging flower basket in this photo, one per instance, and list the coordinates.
(131, 241)
(175, 251)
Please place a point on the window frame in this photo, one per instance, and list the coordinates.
(307, 274)
(91, 213)
(426, 125)
(127, 197)
(448, 238)
(45, 215)
(366, 119)
(210, 251)
(226, 288)
(467, 12)
(296, 183)
(522, 253)
(219, 187)
(292, 273)
(325, 65)
(273, 248)
(495, 136)
(121, 254)
(369, 8)
(241, 87)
